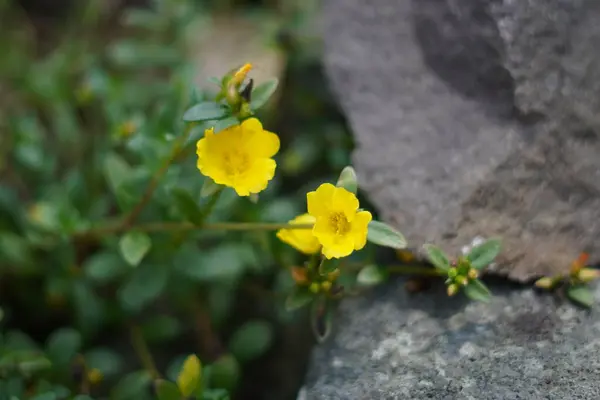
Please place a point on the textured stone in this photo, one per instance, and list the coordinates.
(476, 118)
(394, 345)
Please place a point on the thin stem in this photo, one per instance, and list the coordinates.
(210, 205)
(187, 226)
(141, 350)
(414, 270)
(153, 185)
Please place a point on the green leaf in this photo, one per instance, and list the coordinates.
(328, 265)
(262, 93)
(476, 290)
(160, 328)
(132, 54)
(145, 285)
(215, 394)
(384, 235)
(116, 171)
(166, 390)
(209, 187)
(134, 246)
(132, 386)
(225, 373)
(300, 297)
(321, 317)
(190, 375)
(44, 396)
(581, 295)
(63, 345)
(30, 367)
(370, 275)
(221, 264)
(188, 207)
(251, 340)
(205, 112)
(437, 257)
(347, 180)
(225, 123)
(481, 256)
(89, 308)
(104, 267)
(106, 360)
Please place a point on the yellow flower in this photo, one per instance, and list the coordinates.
(340, 227)
(301, 239)
(239, 156)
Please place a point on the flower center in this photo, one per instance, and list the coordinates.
(236, 163)
(338, 223)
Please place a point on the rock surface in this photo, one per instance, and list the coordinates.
(476, 118)
(522, 345)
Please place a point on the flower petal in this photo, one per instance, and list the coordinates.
(257, 178)
(360, 226)
(301, 239)
(345, 202)
(319, 202)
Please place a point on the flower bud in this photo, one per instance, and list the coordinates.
(452, 289)
(299, 275)
(588, 274)
(314, 287)
(240, 74)
(578, 264)
(333, 275)
(473, 274)
(462, 280)
(545, 283)
(452, 272)
(94, 376)
(326, 286)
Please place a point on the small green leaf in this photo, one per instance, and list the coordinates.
(321, 317)
(132, 386)
(225, 373)
(146, 284)
(166, 390)
(328, 265)
(104, 267)
(35, 365)
(187, 205)
(370, 275)
(384, 235)
(107, 361)
(209, 187)
(63, 345)
(476, 290)
(481, 256)
(347, 180)
(298, 299)
(134, 246)
(116, 171)
(215, 394)
(437, 257)
(262, 93)
(215, 80)
(581, 295)
(160, 328)
(190, 375)
(205, 112)
(251, 340)
(225, 123)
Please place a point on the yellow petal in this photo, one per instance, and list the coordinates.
(334, 246)
(345, 202)
(319, 202)
(301, 239)
(360, 225)
(252, 125)
(257, 178)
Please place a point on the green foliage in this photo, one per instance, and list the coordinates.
(482, 255)
(251, 340)
(384, 235)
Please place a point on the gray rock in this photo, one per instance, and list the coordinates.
(394, 345)
(476, 118)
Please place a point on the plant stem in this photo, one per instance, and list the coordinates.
(141, 349)
(157, 177)
(187, 226)
(414, 270)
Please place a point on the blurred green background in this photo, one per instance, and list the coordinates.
(91, 98)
